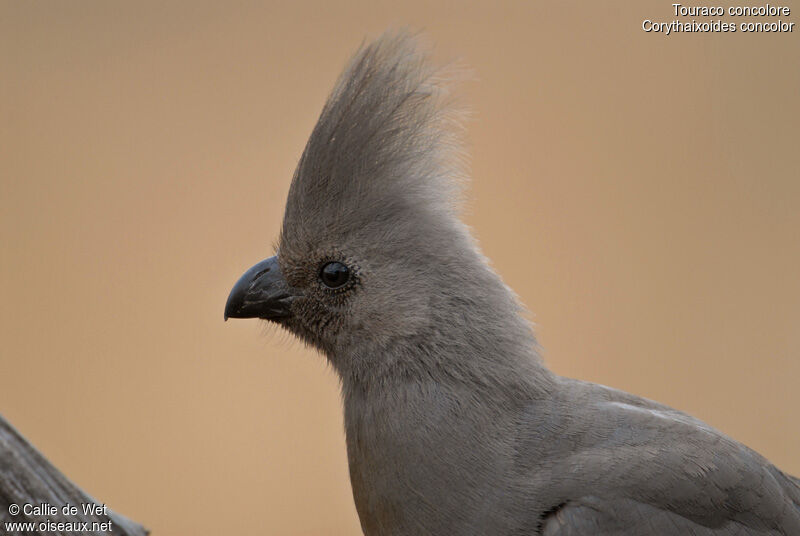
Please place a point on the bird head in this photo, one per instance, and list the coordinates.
(372, 255)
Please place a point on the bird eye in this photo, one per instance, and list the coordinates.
(334, 274)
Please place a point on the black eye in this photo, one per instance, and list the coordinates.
(334, 274)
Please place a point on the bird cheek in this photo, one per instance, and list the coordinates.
(312, 316)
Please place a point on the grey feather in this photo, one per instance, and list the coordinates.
(453, 424)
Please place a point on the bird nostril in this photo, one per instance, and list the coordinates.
(259, 274)
(254, 281)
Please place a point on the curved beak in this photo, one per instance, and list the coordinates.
(261, 292)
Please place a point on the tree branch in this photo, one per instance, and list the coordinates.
(27, 478)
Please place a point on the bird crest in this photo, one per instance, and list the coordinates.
(385, 150)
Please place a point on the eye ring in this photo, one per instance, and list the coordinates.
(334, 274)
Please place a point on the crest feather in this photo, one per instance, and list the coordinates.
(388, 141)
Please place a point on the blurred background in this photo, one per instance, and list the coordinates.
(639, 191)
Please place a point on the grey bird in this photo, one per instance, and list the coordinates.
(453, 424)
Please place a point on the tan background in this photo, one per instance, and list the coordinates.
(640, 192)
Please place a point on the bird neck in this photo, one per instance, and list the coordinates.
(442, 403)
(474, 338)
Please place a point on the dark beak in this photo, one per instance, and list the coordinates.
(261, 292)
